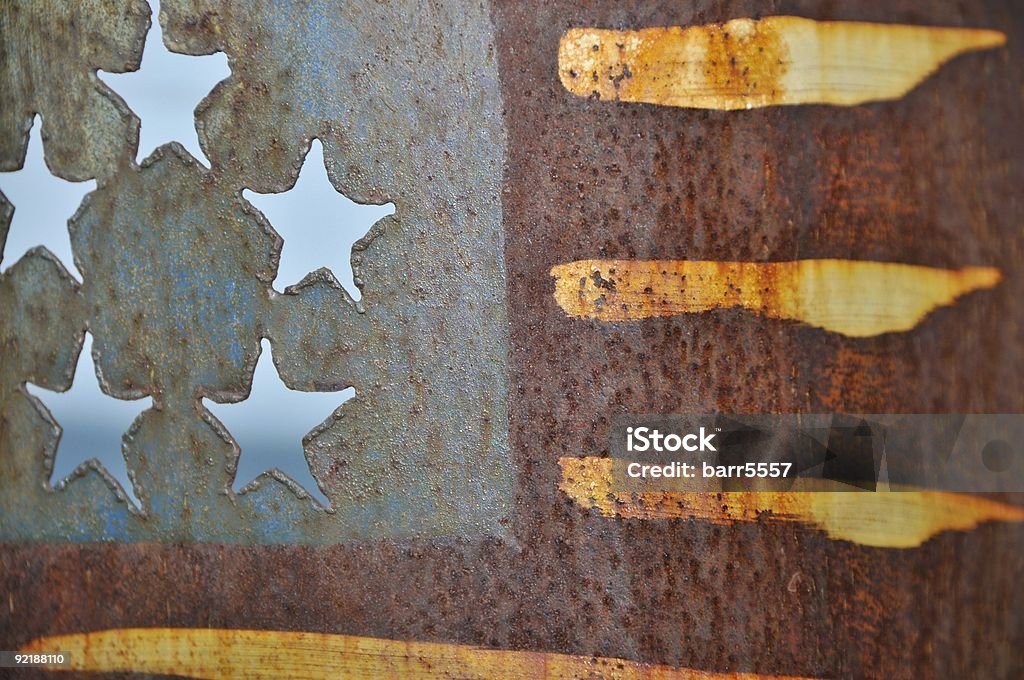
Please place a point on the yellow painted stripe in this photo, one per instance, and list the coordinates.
(212, 653)
(748, 63)
(883, 519)
(855, 298)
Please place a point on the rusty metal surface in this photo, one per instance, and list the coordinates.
(177, 270)
(930, 179)
(927, 180)
(48, 59)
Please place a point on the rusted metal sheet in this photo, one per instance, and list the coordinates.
(177, 270)
(457, 114)
(593, 179)
(48, 60)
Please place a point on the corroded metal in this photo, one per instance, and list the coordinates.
(455, 111)
(49, 55)
(177, 270)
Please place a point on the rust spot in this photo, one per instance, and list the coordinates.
(864, 378)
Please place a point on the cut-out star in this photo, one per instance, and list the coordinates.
(92, 423)
(166, 89)
(269, 426)
(43, 204)
(318, 224)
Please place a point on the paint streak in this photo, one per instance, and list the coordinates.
(212, 653)
(748, 63)
(854, 298)
(883, 519)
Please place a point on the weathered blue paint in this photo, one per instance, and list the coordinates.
(177, 270)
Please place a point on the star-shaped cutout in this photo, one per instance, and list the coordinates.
(43, 203)
(318, 224)
(269, 426)
(92, 423)
(166, 89)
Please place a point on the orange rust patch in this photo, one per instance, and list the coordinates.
(748, 63)
(851, 297)
(860, 382)
(211, 653)
(897, 519)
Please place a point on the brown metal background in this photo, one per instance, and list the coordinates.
(932, 179)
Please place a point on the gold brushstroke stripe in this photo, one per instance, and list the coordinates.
(855, 298)
(748, 63)
(882, 519)
(212, 653)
